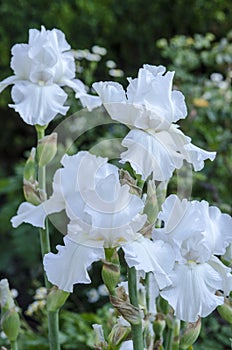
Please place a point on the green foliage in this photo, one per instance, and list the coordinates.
(203, 74)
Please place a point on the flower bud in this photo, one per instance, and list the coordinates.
(100, 342)
(29, 173)
(10, 319)
(225, 310)
(159, 326)
(31, 192)
(151, 208)
(190, 334)
(111, 270)
(56, 299)
(46, 149)
(11, 324)
(118, 334)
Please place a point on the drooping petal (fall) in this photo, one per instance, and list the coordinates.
(69, 266)
(192, 293)
(38, 104)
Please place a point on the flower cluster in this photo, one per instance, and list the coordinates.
(103, 213)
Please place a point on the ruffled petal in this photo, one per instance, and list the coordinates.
(20, 61)
(225, 273)
(69, 266)
(192, 293)
(156, 257)
(197, 156)
(38, 104)
(151, 154)
(35, 215)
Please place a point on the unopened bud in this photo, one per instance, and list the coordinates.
(118, 334)
(31, 192)
(225, 310)
(10, 319)
(161, 192)
(151, 208)
(111, 270)
(46, 149)
(159, 326)
(29, 173)
(190, 334)
(11, 324)
(56, 299)
(100, 342)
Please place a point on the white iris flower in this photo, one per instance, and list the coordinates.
(197, 232)
(103, 214)
(150, 108)
(41, 68)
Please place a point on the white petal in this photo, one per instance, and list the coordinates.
(220, 230)
(69, 266)
(196, 156)
(225, 273)
(8, 81)
(35, 215)
(38, 104)
(151, 153)
(89, 101)
(110, 92)
(127, 345)
(156, 257)
(177, 214)
(192, 293)
(20, 62)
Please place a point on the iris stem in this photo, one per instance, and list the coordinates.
(14, 345)
(136, 329)
(53, 317)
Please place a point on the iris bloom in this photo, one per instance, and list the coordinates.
(150, 108)
(103, 214)
(41, 68)
(197, 232)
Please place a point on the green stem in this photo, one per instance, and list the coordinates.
(14, 345)
(53, 328)
(168, 345)
(136, 329)
(53, 317)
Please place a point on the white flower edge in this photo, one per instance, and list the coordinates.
(192, 292)
(147, 256)
(69, 266)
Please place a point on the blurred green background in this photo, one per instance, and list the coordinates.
(193, 37)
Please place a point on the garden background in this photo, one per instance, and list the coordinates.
(193, 38)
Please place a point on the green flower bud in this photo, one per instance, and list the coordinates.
(159, 326)
(31, 192)
(190, 334)
(10, 319)
(46, 149)
(151, 208)
(100, 342)
(225, 310)
(11, 324)
(118, 334)
(56, 299)
(111, 270)
(30, 167)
